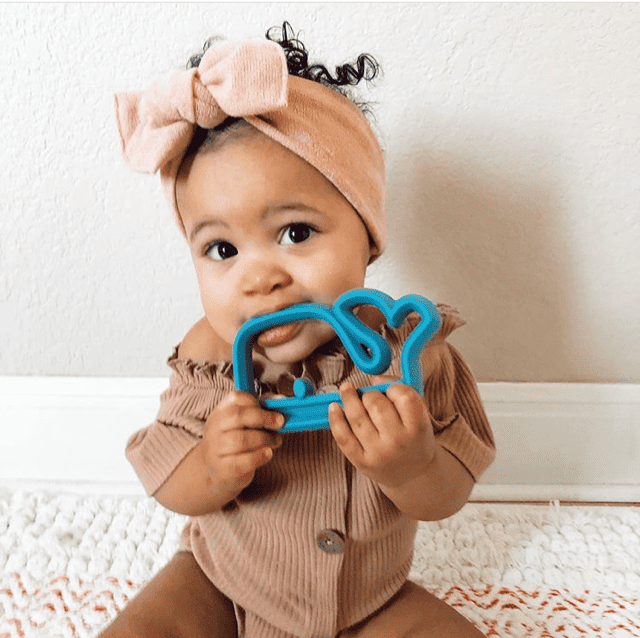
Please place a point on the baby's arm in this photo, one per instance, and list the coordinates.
(238, 438)
(390, 438)
(425, 452)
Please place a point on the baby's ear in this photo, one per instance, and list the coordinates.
(374, 251)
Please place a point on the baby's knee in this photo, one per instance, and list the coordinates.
(414, 613)
(180, 602)
(163, 619)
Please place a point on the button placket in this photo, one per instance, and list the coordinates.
(329, 536)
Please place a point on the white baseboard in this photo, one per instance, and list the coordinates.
(556, 441)
(563, 441)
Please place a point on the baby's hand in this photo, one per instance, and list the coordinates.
(239, 437)
(388, 436)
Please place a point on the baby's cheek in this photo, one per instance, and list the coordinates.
(218, 319)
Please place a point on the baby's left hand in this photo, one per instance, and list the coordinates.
(388, 436)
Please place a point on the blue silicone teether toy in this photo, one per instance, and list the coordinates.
(368, 350)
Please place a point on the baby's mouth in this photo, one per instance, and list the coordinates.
(279, 334)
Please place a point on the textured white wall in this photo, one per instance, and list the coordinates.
(512, 139)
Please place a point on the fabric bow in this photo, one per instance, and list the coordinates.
(233, 79)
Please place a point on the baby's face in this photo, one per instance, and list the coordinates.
(267, 230)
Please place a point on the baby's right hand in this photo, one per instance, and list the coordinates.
(240, 436)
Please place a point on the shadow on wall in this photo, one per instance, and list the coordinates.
(490, 242)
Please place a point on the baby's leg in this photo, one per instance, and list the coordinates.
(414, 613)
(180, 601)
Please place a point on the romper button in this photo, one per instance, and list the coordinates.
(330, 542)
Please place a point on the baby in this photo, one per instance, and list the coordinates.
(277, 183)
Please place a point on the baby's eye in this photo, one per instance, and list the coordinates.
(221, 250)
(295, 234)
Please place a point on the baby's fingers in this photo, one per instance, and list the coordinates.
(381, 379)
(248, 440)
(244, 466)
(272, 420)
(343, 434)
(257, 417)
(242, 410)
(249, 461)
(410, 406)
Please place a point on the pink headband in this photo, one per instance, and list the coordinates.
(249, 79)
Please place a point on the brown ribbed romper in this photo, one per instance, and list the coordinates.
(312, 546)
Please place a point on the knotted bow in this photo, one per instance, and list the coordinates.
(233, 79)
(250, 79)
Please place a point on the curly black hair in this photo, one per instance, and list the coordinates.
(365, 67)
(350, 74)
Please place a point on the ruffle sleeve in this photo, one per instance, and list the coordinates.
(451, 392)
(194, 390)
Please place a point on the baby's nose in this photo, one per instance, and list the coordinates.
(263, 277)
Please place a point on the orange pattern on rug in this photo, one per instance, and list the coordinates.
(66, 607)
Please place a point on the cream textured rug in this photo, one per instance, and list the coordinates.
(68, 563)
